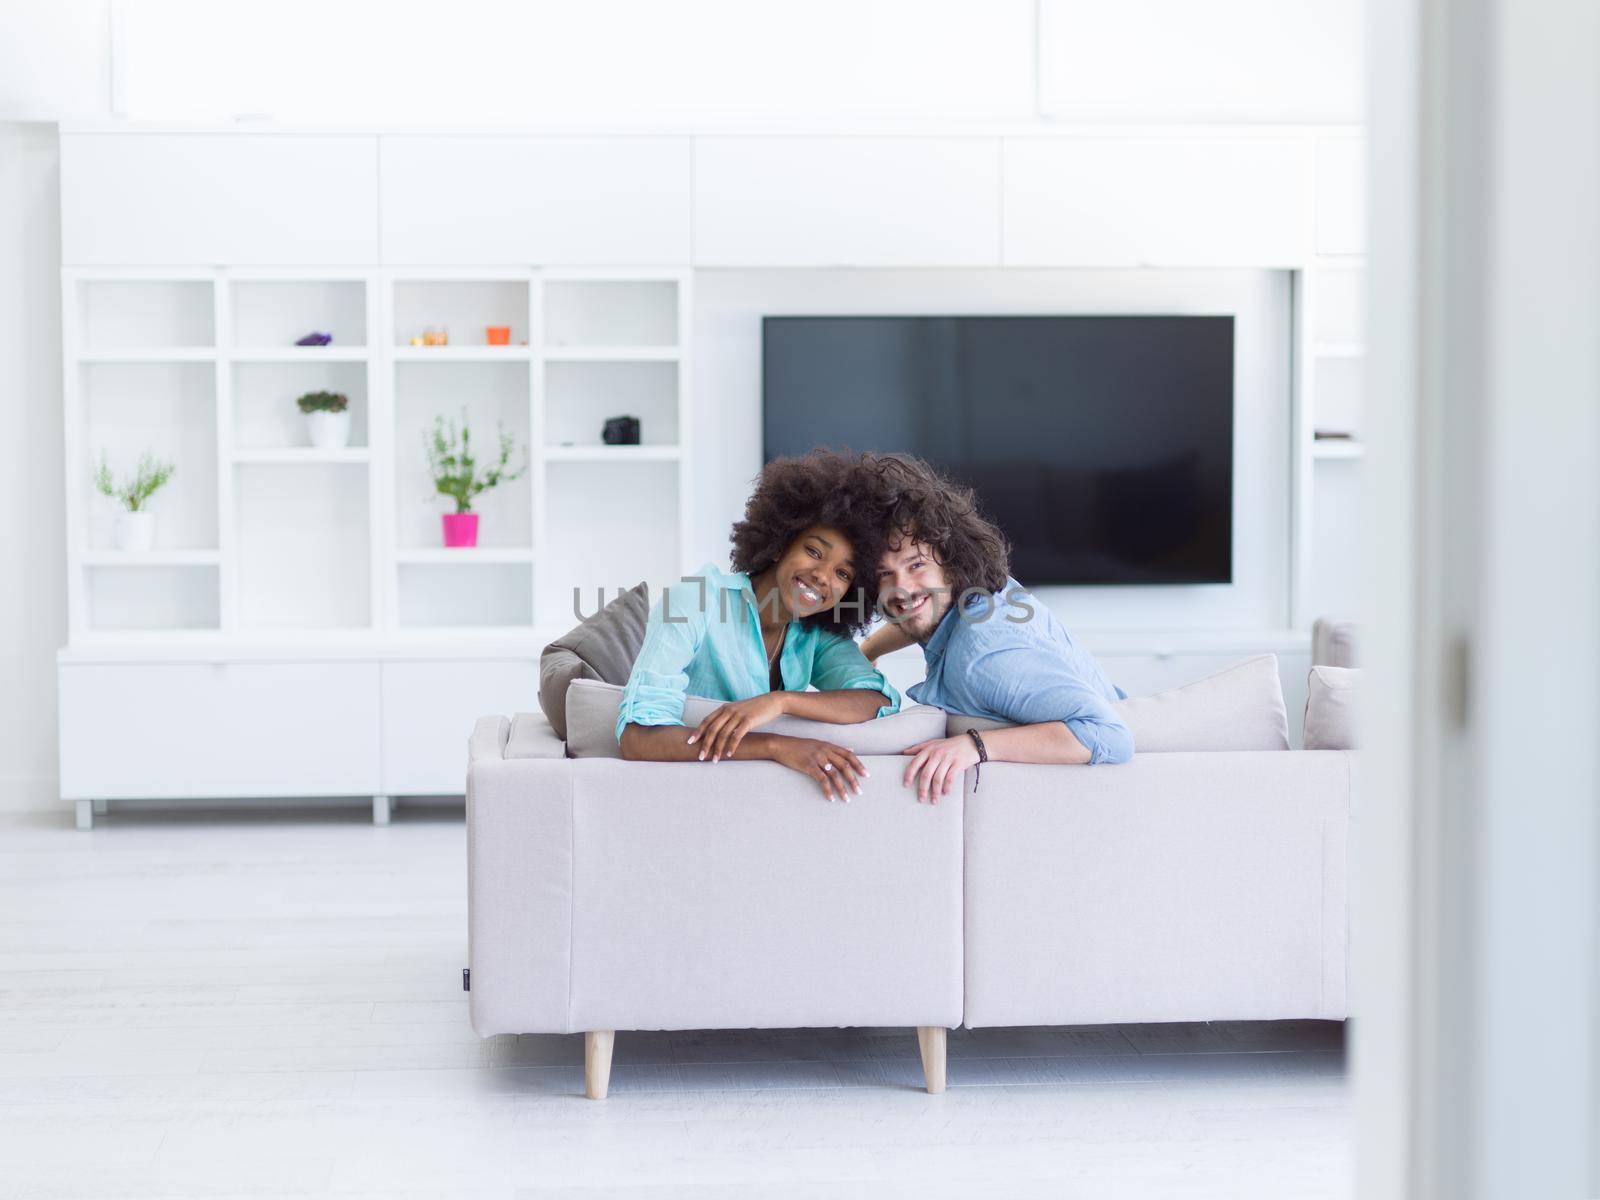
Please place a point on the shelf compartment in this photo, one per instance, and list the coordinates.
(128, 315)
(168, 409)
(147, 593)
(580, 397)
(265, 415)
(594, 313)
(465, 308)
(304, 546)
(1336, 403)
(481, 594)
(490, 393)
(274, 314)
(628, 531)
(1339, 305)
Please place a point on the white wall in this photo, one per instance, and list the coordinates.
(33, 605)
(727, 407)
(55, 59)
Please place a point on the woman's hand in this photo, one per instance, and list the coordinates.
(838, 770)
(719, 735)
(937, 765)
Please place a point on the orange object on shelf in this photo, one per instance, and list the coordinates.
(436, 336)
(498, 335)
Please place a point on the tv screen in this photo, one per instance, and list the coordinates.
(1102, 446)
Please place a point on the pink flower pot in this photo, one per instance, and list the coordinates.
(460, 529)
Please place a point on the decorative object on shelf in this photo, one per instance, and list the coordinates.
(416, 341)
(327, 419)
(456, 474)
(135, 527)
(436, 336)
(497, 335)
(621, 431)
(314, 339)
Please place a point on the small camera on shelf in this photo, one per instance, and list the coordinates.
(621, 431)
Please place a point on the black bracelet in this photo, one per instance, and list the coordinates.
(983, 757)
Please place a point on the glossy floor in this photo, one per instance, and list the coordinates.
(213, 1005)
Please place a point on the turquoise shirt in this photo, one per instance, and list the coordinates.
(704, 639)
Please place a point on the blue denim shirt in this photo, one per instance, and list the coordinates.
(704, 639)
(1021, 665)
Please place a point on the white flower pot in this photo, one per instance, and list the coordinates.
(134, 530)
(329, 430)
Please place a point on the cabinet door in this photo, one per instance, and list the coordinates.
(161, 730)
(239, 199)
(1125, 202)
(518, 200)
(850, 202)
(428, 712)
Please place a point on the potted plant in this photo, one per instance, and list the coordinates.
(327, 419)
(135, 527)
(458, 475)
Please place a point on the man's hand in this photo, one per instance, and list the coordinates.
(838, 770)
(719, 735)
(937, 765)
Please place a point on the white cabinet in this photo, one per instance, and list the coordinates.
(1157, 201)
(556, 201)
(1341, 195)
(204, 729)
(846, 201)
(428, 712)
(135, 199)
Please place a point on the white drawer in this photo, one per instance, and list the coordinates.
(160, 730)
(428, 712)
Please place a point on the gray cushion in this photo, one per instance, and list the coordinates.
(1332, 694)
(602, 647)
(1238, 708)
(1333, 643)
(592, 724)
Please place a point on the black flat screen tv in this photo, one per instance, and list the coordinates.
(1102, 446)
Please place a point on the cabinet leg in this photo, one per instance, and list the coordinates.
(931, 1040)
(85, 814)
(597, 1063)
(382, 808)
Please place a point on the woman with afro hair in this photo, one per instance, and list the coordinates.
(804, 580)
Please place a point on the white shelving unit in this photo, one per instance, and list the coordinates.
(259, 534)
(1330, 398)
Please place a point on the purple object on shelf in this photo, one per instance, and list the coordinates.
(315, 339)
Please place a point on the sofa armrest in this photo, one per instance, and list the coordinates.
(532, 736)
(519, 887)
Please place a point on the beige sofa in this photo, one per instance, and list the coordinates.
(1184, 885)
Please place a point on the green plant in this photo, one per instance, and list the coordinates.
(332, 402)
(150, 477)
(455, 468)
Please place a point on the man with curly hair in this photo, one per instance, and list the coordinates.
(782, 620)
(992, 649)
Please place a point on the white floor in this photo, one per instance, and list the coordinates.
(270, 1004)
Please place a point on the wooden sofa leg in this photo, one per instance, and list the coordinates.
(597, 1063)
(931, 1039)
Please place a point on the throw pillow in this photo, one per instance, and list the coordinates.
(592, 724)
(1332, 700)
(602, 647)
(1238, 708)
